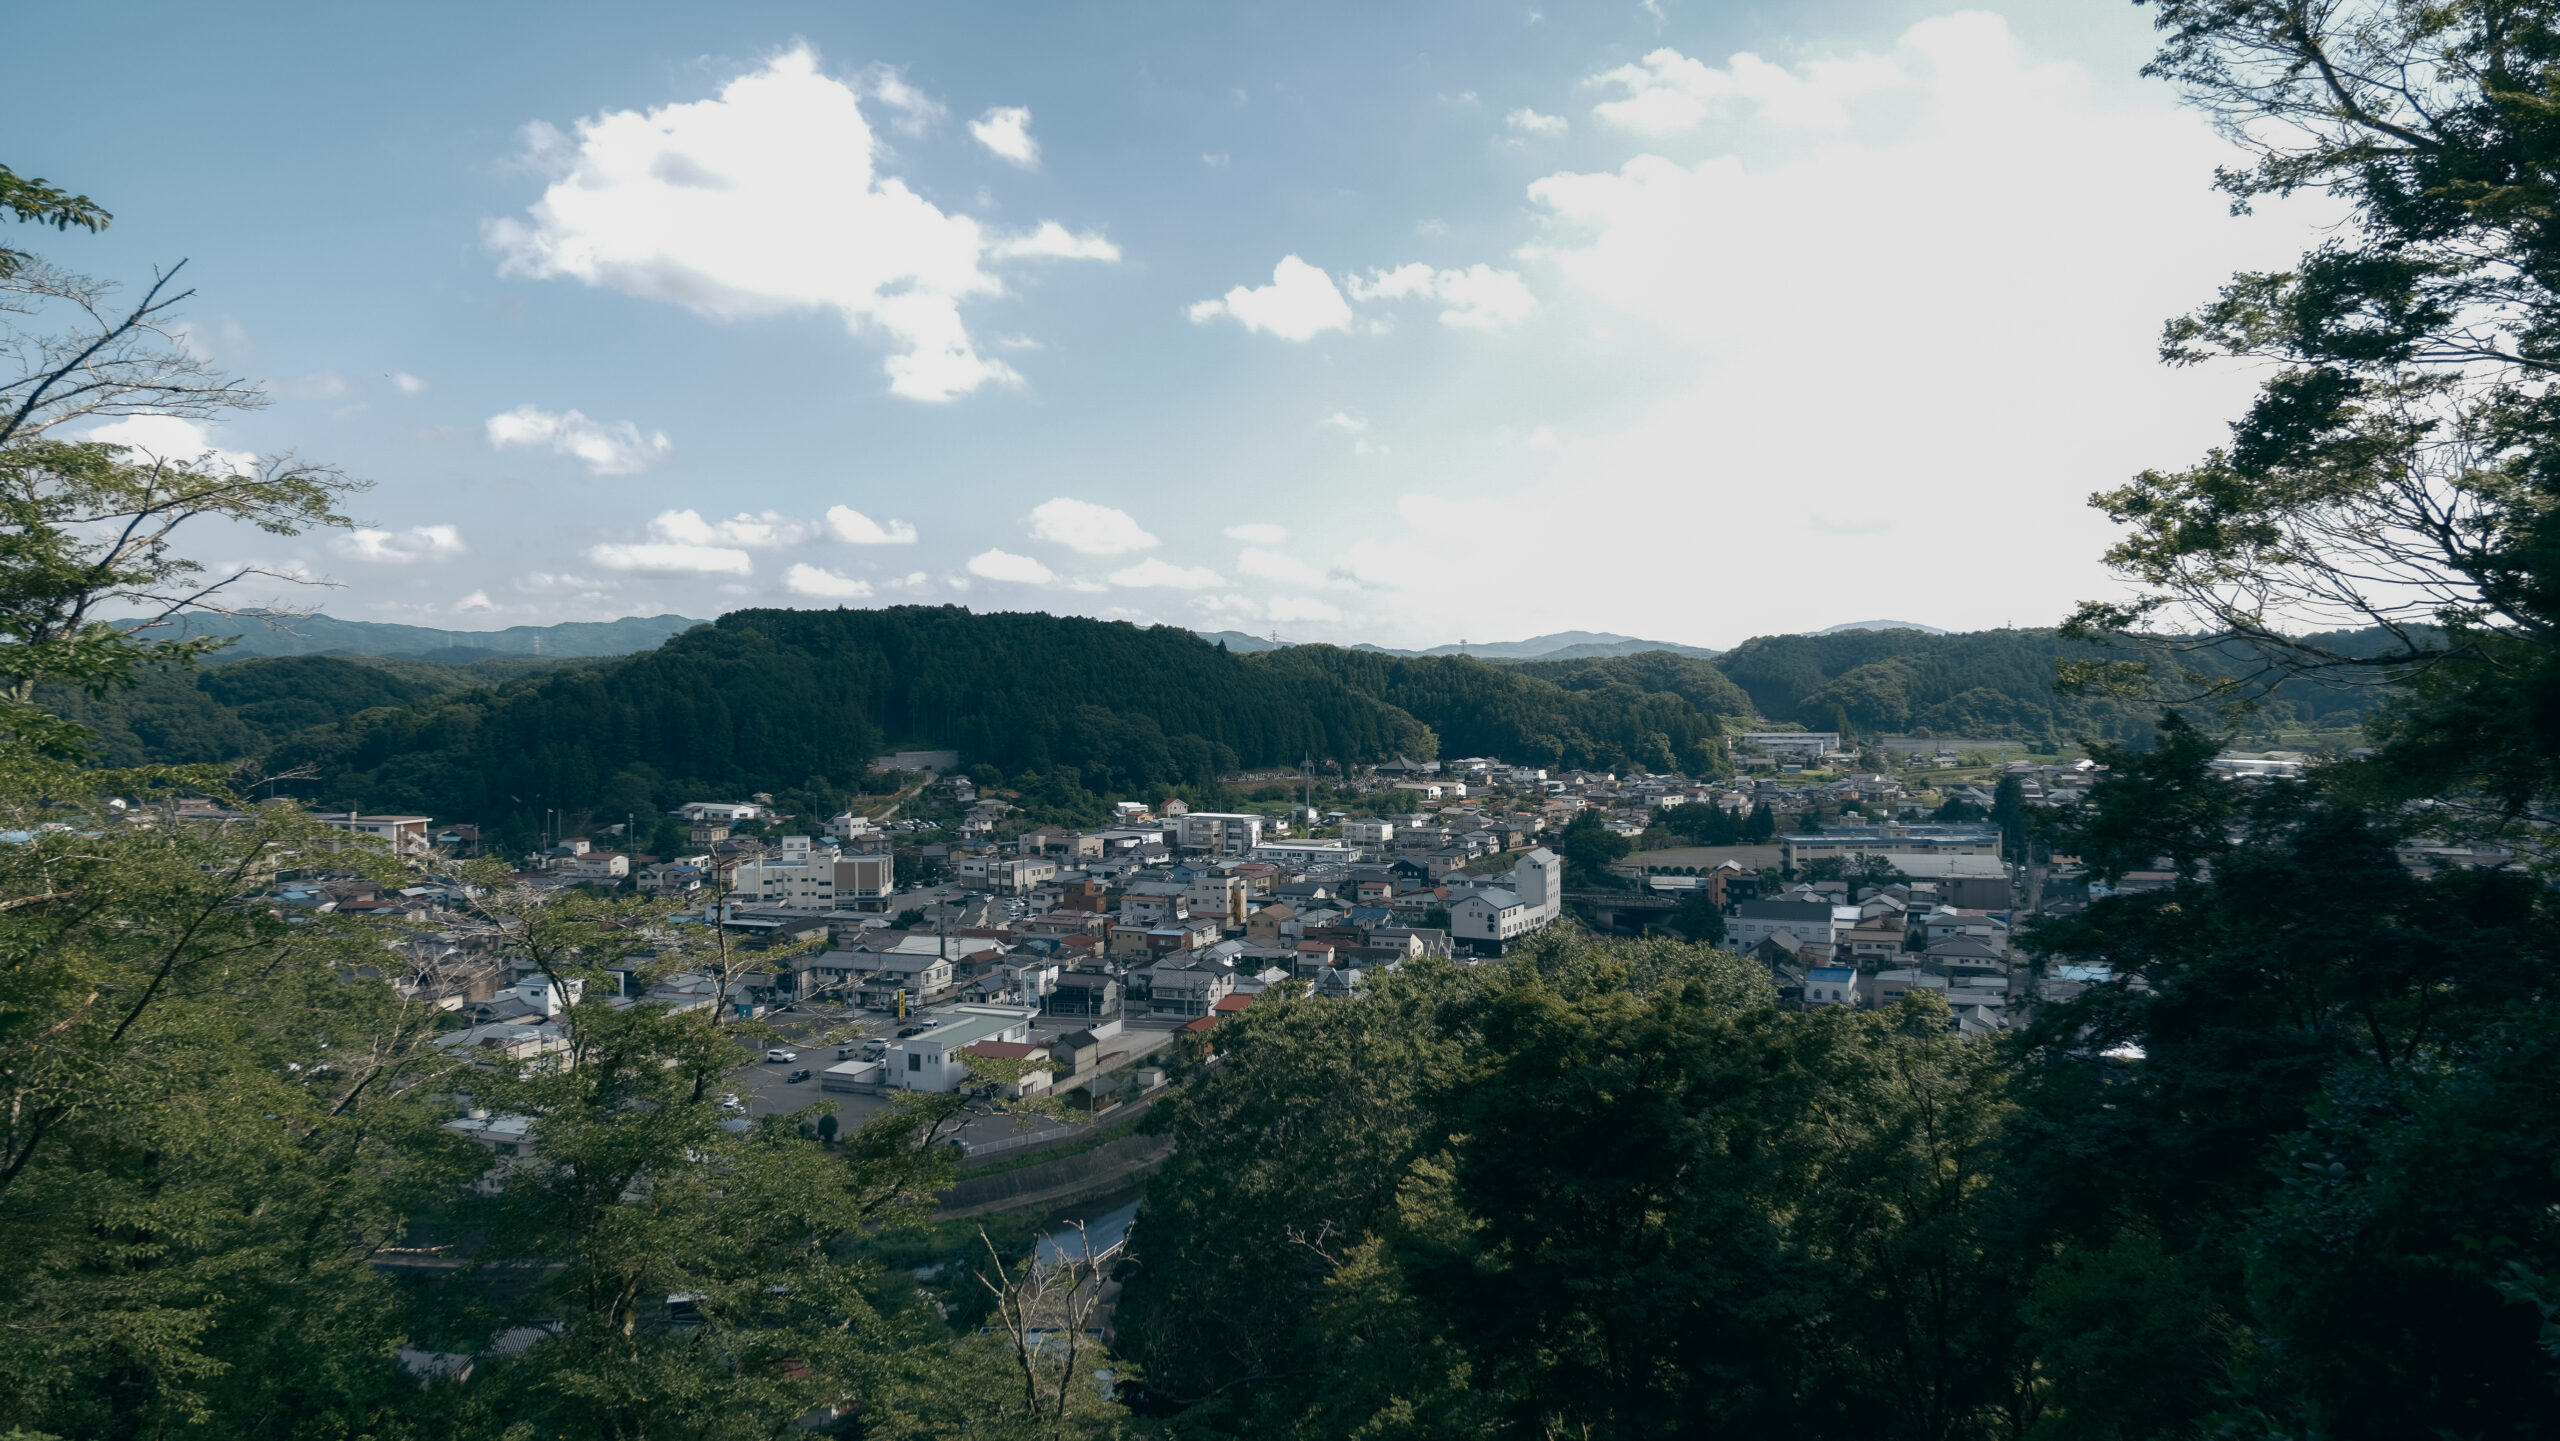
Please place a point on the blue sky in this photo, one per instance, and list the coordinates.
(1347, 322)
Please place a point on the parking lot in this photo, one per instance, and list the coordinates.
(765, 1088)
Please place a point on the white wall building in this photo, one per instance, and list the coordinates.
(932, 1061)
(1497, 914)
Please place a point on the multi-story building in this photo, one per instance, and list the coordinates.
(406, 835)
(1217, 832)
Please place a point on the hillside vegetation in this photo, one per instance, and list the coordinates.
(1072, 712)
(1988, 683)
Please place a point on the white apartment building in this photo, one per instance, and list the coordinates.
(1369, 833)
(1220, 832)
(1493, 915)
(406, 835)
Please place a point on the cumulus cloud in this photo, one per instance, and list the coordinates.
(823, 584)
(1055, 242)
(768, 200)
(681, 542)
(405, 383)
(478, 600)
(1525, 121)
(854, 528)
(760, 531)
(1006, 132)
(1258, 533)
(1164, 573)
(1005, 565)
(1718, 287)
(1667, 92)
(400, 547)
(1083, 526)
(1340, 420)
(1300, 303)
(617, 448)
(915, 111)
(662, 558)
(1478, 297)
(172, 439)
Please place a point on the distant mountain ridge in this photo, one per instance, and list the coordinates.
(323, 634)
(1880, 625)
(1563, 645)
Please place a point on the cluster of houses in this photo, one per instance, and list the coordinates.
(1169, 916)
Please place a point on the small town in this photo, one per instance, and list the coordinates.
(1618, 720)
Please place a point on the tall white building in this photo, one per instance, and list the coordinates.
(1490, 916)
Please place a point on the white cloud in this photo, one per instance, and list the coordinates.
(759, 531)
(917, 112)
(660, 558)
(1298, 607)
(171, 439)
(1083, 526)
(1272, 565)
(1006, 132)
(1005, 565)
(1478, 297)
(854, 528)
(810, 580)
(1215, 160)
(1258, 533)
(1340, 420)
(1055, 242)
(1668, 92)
(405, 383)
(400, 547)
(1154, 572)
(1718, 289)
(618, 448)
(681, 542)
(914, 580)
(1300, 303)
(477, 600)
(767, 201)
(1525, 121)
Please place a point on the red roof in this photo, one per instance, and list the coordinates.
(1202, 1024)
(1007, 1051)
(1229, 1005)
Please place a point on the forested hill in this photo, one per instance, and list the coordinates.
(1984, 683)
(1073, 711)
(268, 634)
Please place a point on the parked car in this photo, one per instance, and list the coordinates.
(796, 1077)
(782, 1053)
(913, 1031)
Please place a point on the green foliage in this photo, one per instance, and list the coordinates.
(1599, 1189)
(1591, 719)
(1589, 848)
(32, 200)
(1996, 683)
(1701, 919)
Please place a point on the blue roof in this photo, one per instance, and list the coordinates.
(1831, 975)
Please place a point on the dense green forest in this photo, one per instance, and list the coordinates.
(249, 709)
(2000, 683)
(1070, 711)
